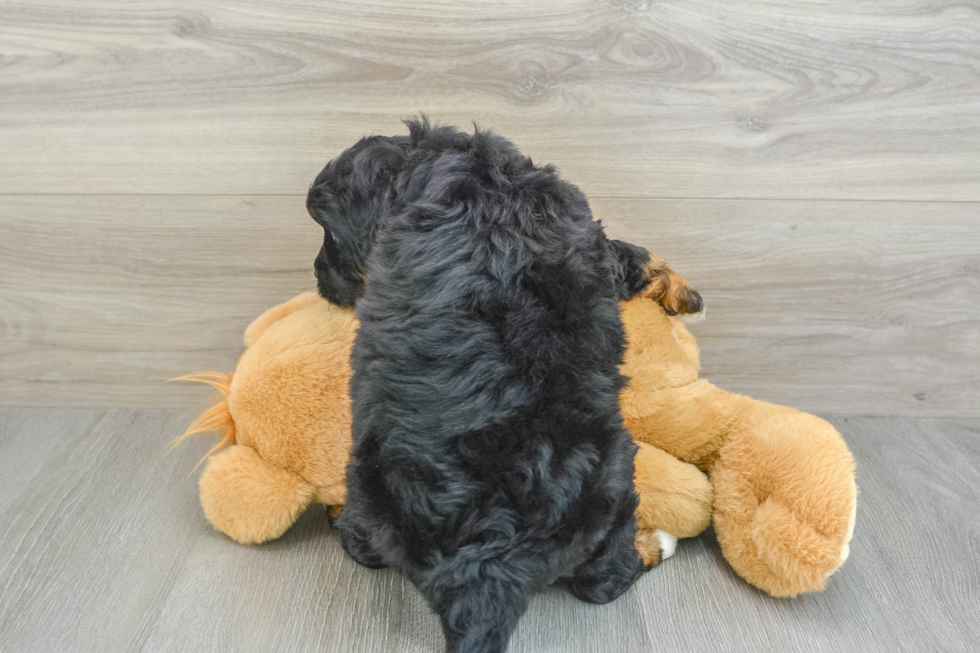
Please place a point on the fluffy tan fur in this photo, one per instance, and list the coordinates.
(249, 498)
(781, 495)
(784, 490)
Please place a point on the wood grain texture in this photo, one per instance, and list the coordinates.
(672, 98)
(105, 298)
(105, 548)
(858, 308)
(834, 307)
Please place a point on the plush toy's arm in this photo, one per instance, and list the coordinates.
(675, 502)
(674, 496)
(276, 313)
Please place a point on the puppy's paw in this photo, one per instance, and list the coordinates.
(649, 548)
(654, 546)
(669, 289)
(668, 544)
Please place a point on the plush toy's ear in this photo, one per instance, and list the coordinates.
(249, 499)
(276, 313)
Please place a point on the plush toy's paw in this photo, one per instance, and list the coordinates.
(670, 290)
(785, 500)
(797, 554)
(249, 499)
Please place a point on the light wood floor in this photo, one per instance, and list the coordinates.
(813, 168)
(105, 548)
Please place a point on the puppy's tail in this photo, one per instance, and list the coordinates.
(480, 615)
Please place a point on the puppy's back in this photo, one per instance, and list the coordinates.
(490, 457)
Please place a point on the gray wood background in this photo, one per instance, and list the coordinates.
(813, 168)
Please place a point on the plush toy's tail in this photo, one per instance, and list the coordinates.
(217, 418)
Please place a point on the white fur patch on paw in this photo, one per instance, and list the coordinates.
(694, 317)
(668, 544)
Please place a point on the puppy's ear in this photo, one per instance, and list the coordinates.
(339, 265)
(337, 281)
(629, 268)
(669, 289)
(638, 272)
(338, 289)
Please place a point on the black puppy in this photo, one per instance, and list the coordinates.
(490, 458)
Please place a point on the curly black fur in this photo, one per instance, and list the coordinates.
(490, 458)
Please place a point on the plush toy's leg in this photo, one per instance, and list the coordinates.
(675, 501)
(785, 500)
(250, 500)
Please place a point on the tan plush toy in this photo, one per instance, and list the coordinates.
(784, 492)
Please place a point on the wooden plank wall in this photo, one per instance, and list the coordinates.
(813, 168)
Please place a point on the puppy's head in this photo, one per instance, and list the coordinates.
(348, 199)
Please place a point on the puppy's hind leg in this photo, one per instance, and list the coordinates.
(615, 565)
(355, 541)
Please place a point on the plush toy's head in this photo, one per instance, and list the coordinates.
(286, 414)
(784, 489)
